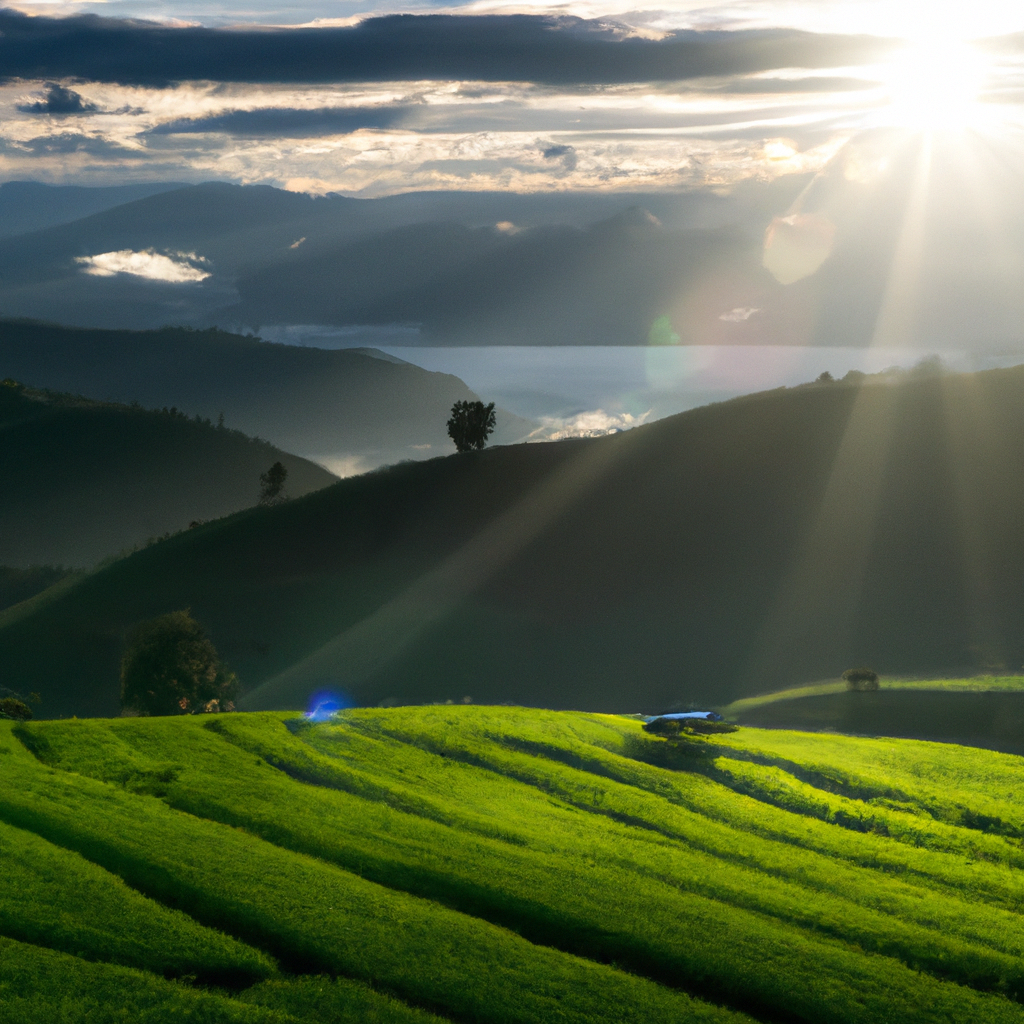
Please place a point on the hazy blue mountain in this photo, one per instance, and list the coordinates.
(84, 480)
(337, 404)
(246, 235)
(568, 269)
(726, 551)
(558, 285)
(32, 205)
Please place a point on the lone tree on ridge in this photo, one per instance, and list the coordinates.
(170, 667)
(272, 484)
(861, 679)
(471, 424)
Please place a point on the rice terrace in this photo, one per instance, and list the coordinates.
(441, 863)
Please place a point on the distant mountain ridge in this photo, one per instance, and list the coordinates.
(470, 268)
(33, 206)
(727, 551)
(86, 480)
(337, 404)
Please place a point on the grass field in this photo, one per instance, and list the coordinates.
(976, 684)
(493, 864)
(983, 711)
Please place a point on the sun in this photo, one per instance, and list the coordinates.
(934, 84)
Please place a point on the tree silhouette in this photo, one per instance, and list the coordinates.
(861, 679)
(170, 667)
(471, 424)
(272, 484)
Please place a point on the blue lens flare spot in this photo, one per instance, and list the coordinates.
(325, 704)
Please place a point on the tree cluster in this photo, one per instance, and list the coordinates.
(170, 667)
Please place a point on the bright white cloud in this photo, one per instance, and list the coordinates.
(593, 423)
(177, 268)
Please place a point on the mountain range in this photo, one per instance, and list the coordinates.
(792, 261)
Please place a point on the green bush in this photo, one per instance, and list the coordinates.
(170, 667)
(669, 727)
(861, 679)
(11, 707)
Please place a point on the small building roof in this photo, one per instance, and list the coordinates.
(687, 714)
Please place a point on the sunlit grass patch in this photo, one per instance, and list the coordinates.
(514, 865)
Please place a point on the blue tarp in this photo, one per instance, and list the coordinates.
(708, 715)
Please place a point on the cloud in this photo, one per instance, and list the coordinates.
(592, 423)
(565, 154)
(285, 122)
(177, 268)
(546, 49)
(66, 143)
(58, 102)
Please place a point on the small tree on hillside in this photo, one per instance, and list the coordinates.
(272, 484)
(170, 667)
(861, 679)
(12, 708)
(471, 424)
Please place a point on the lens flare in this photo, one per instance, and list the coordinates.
(325, 704)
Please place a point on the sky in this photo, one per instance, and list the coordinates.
(376, 98)
(899, 120)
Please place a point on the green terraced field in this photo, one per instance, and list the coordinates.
(984, 711)
(474, 864)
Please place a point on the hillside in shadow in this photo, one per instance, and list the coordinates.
(338, 404)
(84, 480)
(723, 552)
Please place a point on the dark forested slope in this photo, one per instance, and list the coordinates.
(83, 480)
(314, 401)
(726, 551)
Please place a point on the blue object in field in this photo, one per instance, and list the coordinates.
(325, 704)
(708, 716)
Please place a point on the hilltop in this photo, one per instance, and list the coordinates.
(334, 405)
(721, 553)
(435, 865)
(84, 480)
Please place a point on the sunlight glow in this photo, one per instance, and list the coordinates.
(935, 84)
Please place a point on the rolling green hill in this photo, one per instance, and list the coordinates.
(84, 480)
(502, 866)
(725, 552)
(984, 711)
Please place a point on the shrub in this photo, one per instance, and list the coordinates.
(686, 726)
(170, 667)
(12, 708)
(861, 679)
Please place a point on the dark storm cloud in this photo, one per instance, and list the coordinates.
(58, 101)
(565, 154)
(70, 142)
(285, 122)
(558, 51)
